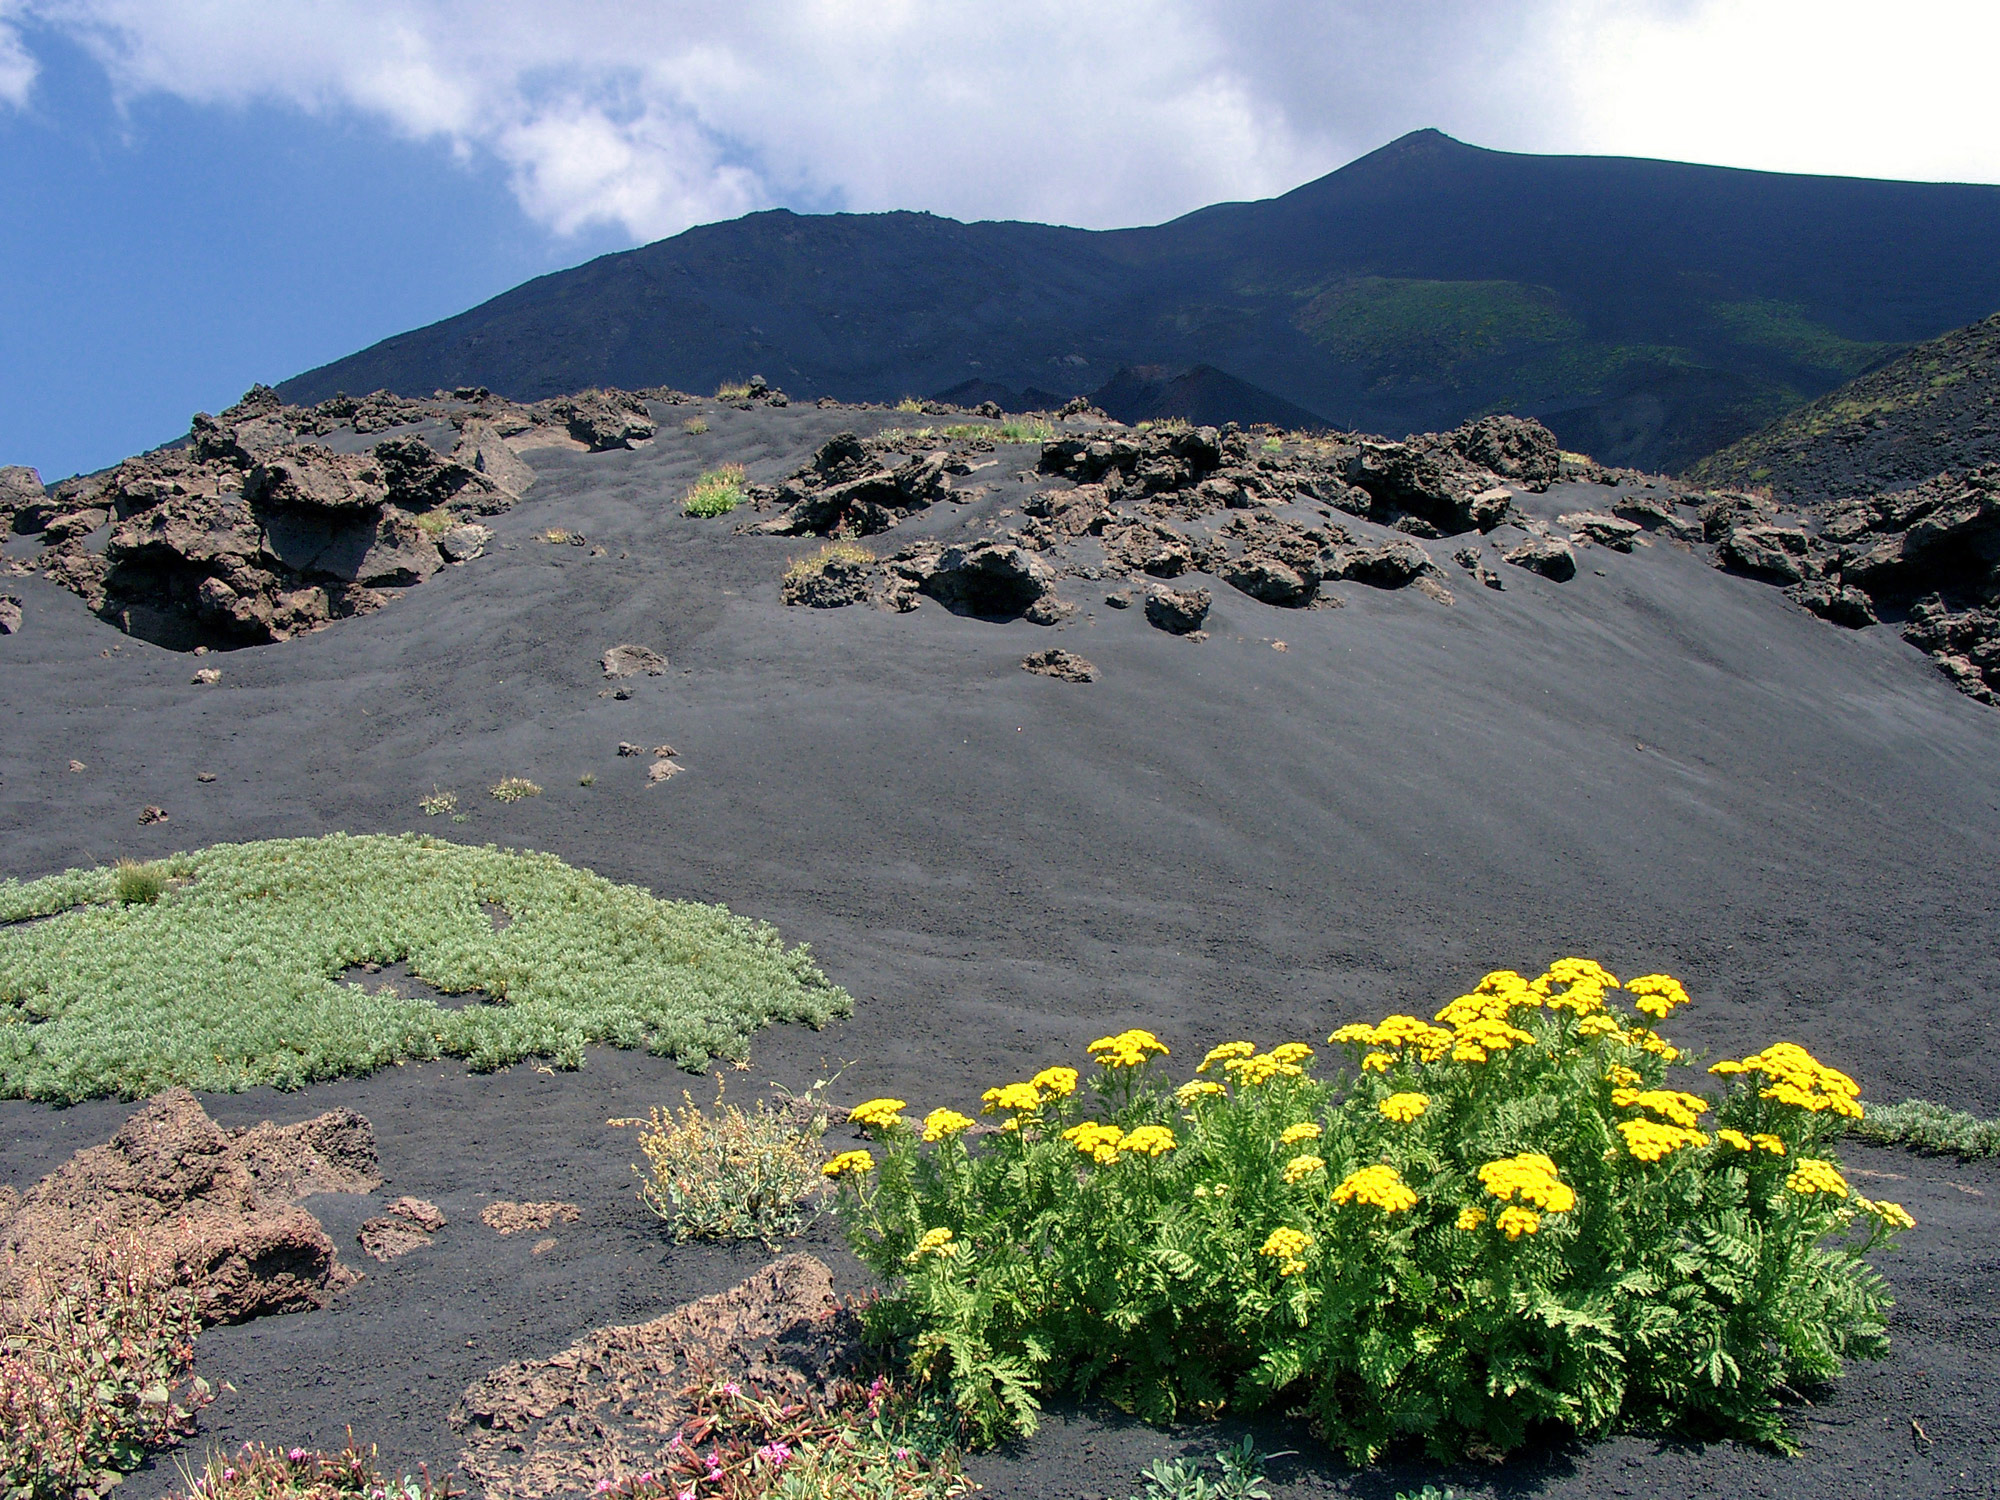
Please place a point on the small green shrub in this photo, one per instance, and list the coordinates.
(911, 406)
(695, 426)
(255, 1472)
(236, 981)
(733, 390)
(814, 563)
(435, 523)
(1923, 1126)
(732, 1174)
(1242, 1478)
(140, 884)
(513, 789)
(94, 1373)
(1496, 1219)
(438, 802)
(715, 493)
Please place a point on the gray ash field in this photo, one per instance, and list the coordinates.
(1655, 763)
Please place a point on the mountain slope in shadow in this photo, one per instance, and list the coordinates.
(1650, 312)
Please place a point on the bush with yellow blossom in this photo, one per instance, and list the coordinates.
(1500, 1216)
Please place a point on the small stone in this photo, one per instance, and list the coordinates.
(626, 747)
(204, 776)
(1064, 666)
(153, 815)
(630, 661)
(662, 770)
(10, 614)
(77, 765)
(206, 677)
(1119, 599)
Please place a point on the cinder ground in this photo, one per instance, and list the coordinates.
(1655, 764)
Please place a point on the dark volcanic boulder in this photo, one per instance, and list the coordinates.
(1064, 666)
(989, 580)
(1835, 602)
(1513, 447)
(1177, 612)
(310, 477)
(1426, 478)
(19, 488)
(418, 480)
(833, 584)
(847, 491)
(1271, 581)
(1777, 554)
(603, 419)
(1391, 565)
(1544, 555)
(1605, 531)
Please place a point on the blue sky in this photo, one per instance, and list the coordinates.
(199, 194)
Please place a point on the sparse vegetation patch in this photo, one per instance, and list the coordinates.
(513, 789)
(731, 1173)
(231, 979)
(1930, 1128)
(715, 493)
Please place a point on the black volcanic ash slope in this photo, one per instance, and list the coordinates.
(1932, 409)
(1650, 312)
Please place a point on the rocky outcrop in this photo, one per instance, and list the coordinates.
(10, 614)
(20, 490)
(601, 419)
(1601, 530)
(1515, 448)
(1393, 564)
(1544, 555)
(222, 1203)
(1428, 480)
(987, 580)
(1176, 611)
(848, 491)
(833, 583)
(1064, 666)
(604, 1408)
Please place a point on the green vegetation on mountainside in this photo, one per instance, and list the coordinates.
(232, 977)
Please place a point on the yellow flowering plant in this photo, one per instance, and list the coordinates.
(1501, 1216)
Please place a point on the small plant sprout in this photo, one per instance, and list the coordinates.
(695, 426)
(715, 493)
(513, 789)
(733, 390)
(1184, 1478)
(438, 802)
(588, 778)
(140, 884)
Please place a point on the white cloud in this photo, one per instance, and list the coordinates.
(649, 115)
(17, 68)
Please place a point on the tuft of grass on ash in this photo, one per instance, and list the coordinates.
(232, 979)
(513, 789)
(1920, 1125)
(715, 493)
(814, 563)
(141, 883)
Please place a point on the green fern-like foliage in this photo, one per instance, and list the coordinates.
(232, 976)
(1500, 1219)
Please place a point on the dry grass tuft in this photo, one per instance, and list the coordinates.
(832, 552)
(731, 1173)
(513, 789)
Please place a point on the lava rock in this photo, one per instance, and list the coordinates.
(1544, 555)
(1271, 581)
(1177, 612)
(1835, 602)
(1065, 666)
(1778, 554)
(628, 660)
(833, 584)
(1392, 565)
(1605, 531)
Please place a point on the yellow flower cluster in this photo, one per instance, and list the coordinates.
(1892, 1214)
(1812, 1175)
(1649, 1140)
(1652, 1042)
(1396, 1031)
(1128, 1049)
(1517, 1221)
(1293, 1134)
(1148, 1140)
(1470, 1219)
(1621, 1075)
(940, 1123)
(936, 1242)
(1403, 1108)
(1288, 1248)
(1198, 1088)
(1300, 1167)
(1584, 982)
(1380, 1187)
(880, 1113)
(1057, 1083)
(848, 1161)
(1286, 1060)
(1099, 1142)
(1016, 1098)
(1793, 1075)
(1657, 995)
(1225, 1053)
(1478, 1039)
(1533, 1177)
(1757, 1142)
(1598, 1024)
(1671, 1105)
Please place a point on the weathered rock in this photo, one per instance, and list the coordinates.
(1391, 565)
(1655, 513)
(1427, 478)
(418, 480)
(408, 1225)
(1175, 611)
(222, 1203)
(10, 614)
(603, 419)
(628, 660)
(1470, 559)
(1516, 448)
(1065, 666)
(507, 1217)
(1835, 602)
(1271, 581)
(832, 584)
(602, 1409)
(1778, 554)
(1150, 547)
(463, 543)
(985, 579)
(1544, 555)
(74, 524)
(481, 449)
(1603, 530)
(20, 488)
(312, 478)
